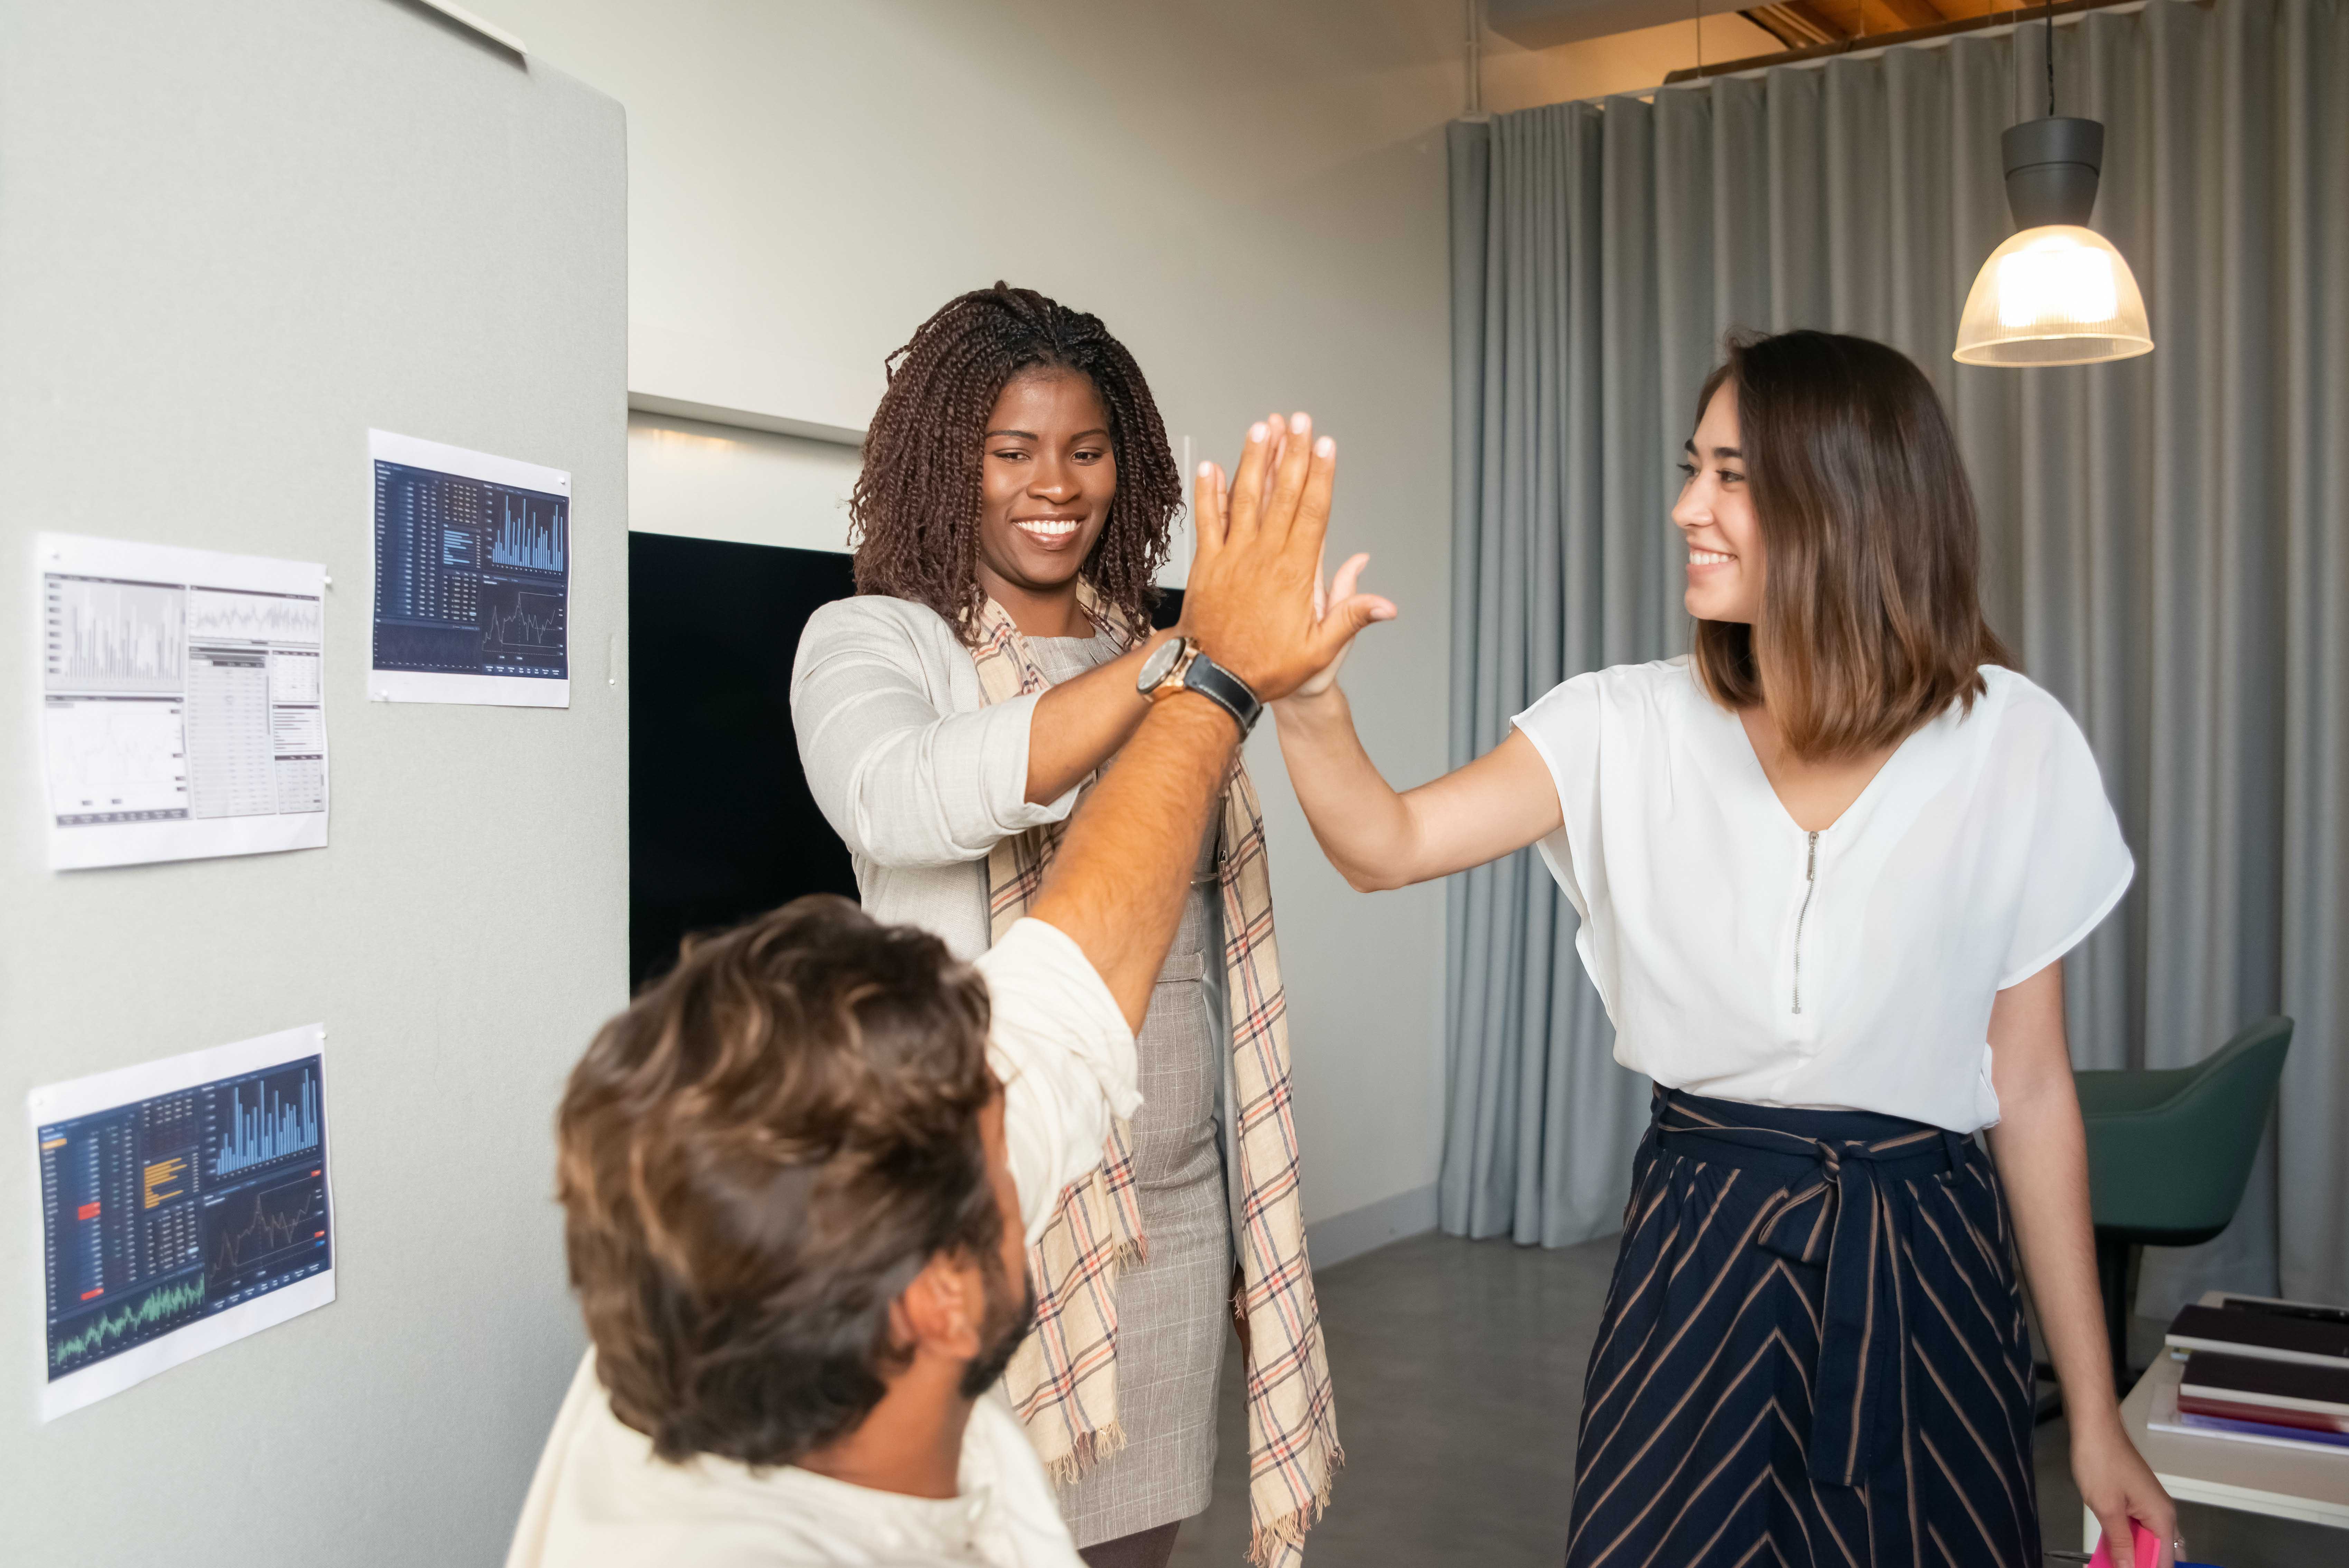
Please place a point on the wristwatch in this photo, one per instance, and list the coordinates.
(1178, 665)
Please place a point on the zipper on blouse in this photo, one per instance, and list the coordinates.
(1810, 885)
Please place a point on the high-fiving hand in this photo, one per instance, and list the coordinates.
(1255, 599)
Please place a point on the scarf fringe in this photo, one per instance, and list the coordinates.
(1272, 1537)
(1091, 1448)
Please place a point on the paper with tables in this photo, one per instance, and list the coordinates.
(182, 701)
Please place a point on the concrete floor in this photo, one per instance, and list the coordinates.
(1458, 1368)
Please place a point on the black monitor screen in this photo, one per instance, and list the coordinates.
(721, 823)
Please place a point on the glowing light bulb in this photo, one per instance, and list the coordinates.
(2058, 295)
(2056, 280)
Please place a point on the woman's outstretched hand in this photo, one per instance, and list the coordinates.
(1339, 591)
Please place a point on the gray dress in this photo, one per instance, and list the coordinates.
(1171, 1308)
(920, 778)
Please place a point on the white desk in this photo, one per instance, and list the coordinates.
(2250, 1478)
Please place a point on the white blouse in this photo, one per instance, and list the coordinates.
(1853, 968)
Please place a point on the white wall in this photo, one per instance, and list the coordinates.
(747, 487)
(203, 320)
(1252, 195)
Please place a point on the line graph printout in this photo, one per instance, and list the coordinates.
(472, 576)
(182, 702)
(183, 1204)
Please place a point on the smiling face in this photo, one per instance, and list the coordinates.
(1047, 478)
(1716, 517)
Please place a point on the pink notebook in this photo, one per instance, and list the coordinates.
(2147, 1546)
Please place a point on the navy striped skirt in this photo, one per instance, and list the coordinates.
(1814, 1352)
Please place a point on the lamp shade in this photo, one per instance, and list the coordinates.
(2058, 295)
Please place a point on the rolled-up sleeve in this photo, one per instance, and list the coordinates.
(903, 782)
(1061, 1047)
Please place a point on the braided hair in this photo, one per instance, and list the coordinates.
(914, 514)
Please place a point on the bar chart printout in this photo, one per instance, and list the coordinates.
(182, 702)
(183, 1204)
(472, 576)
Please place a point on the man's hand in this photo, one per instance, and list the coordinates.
(1116, 886)
(1251, 597)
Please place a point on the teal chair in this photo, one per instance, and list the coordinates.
(2168, 1153)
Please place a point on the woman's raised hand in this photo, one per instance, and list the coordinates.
(1339, 591)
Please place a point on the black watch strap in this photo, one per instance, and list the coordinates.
(1230, 693)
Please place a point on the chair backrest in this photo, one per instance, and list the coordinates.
(2172, 1172)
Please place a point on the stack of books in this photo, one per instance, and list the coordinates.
(2263, 1371)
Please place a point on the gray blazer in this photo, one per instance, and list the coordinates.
(916, 774)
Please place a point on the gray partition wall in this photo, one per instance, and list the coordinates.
(234, 235)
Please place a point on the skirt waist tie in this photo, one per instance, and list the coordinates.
(1839, 1216)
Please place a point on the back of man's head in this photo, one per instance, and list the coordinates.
(757, 1159)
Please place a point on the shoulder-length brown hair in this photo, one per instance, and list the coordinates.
(1870, 623)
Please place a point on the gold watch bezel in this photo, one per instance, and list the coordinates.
(1172, 681)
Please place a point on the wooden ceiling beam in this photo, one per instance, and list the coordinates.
(1797, 24)
(1909, 14)
(2002, 17)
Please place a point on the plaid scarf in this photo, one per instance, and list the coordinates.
(1063, 1381)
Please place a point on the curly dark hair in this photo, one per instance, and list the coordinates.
(914, 513)
(757, 1158)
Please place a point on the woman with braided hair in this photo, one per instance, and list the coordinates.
(1013, 508)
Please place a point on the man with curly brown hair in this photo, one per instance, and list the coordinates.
(802, 1173)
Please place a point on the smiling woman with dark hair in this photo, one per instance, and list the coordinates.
(1013, 508)
(946, 508)
(1825, 869)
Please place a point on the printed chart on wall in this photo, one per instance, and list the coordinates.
(472, 577)
(182, 702)
(184, 1205)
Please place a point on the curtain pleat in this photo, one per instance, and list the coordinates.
(2166, 540)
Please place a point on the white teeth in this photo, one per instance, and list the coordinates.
(1048, 527)
(1709, 558)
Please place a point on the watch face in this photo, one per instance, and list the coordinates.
(1159, 664)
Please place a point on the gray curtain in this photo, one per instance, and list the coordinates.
(2167, 539)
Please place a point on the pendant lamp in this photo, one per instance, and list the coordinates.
(2057, 293)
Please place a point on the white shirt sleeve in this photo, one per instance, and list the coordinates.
(1061, 1046)
(1564, 728)
(2078, 865)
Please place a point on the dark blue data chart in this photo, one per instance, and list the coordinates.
(529, 531)
(520, 623)
(158, 1213)
(471, 577)
(260, 1231)
(264, 1120)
